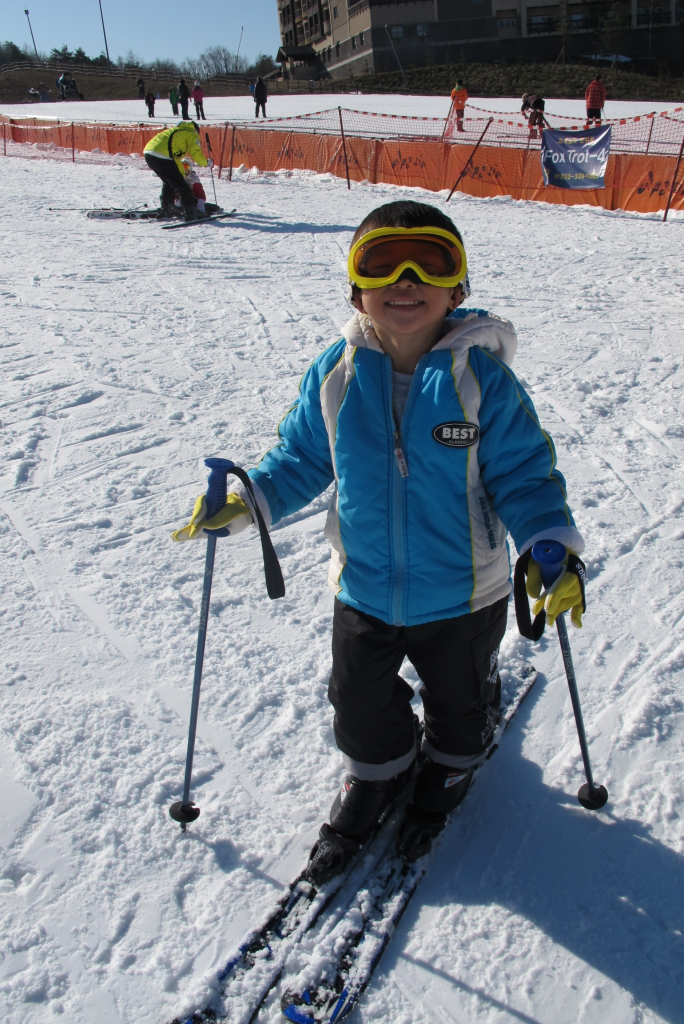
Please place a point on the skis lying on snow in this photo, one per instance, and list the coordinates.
(326, 943)
(106, 214)
(200, 220)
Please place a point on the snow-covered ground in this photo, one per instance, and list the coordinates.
(224, 108)
(128, 355)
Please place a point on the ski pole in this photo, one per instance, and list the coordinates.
(184, 810)
(211, 169)
(549, 554)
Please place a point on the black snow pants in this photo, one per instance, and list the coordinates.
(172, 182)
(260, 104)
(457, 662)
(199, 110)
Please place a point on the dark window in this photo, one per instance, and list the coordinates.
(422, 31)
(337, 49)
(353, 41)
(334, 12)
(506, 23)
(544, 23)
(361, 42)
(397, 31)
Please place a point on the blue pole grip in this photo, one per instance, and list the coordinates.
(217, 488)
(549, 554)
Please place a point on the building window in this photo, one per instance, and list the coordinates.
(543, 23)
(577, 22)
(397, 31)
(652, 16)
(505, 22)
(422, 31)
(361, 40)
(337, 49)
(334, 12)
(353, 42)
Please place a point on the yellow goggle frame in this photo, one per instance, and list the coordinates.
(357, 251)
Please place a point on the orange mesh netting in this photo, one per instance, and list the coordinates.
(492, 154)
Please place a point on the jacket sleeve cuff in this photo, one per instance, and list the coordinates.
(569, 536)
(265, 509)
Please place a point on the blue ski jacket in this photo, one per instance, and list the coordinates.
(419, 512)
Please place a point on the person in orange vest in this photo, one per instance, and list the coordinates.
(595, 98)
(459, 98)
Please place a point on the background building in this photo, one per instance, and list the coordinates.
(333, 38)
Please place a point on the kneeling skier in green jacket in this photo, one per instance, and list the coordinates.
(163, 155)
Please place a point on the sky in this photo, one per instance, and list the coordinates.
(174, 29)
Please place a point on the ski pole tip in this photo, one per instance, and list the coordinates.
(184, 813)
(593, 799)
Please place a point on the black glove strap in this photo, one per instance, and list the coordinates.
(526, 627)
(275, 584)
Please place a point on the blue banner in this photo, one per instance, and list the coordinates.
(575, 159)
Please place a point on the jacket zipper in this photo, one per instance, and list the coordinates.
(400, 473)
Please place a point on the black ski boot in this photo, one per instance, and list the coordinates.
(439, 789)
(359, 806)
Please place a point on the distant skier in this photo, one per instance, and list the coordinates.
(595, 98)
(435, 450)
(198, 100)
(459, 98)
(173, 100)
(164, 155)
(533, 107)
(149, 102)
(184, 98)
(141, 88)
(260, 96)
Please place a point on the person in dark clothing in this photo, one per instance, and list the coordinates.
(260, 96)
(184, 99)
(532, 108)
(141, 88)
(164, 155)
(150, 101)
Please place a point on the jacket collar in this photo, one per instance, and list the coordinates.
(490, 332)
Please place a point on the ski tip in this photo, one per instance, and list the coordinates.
(295, 1014)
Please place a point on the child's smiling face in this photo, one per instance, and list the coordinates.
(408, 307)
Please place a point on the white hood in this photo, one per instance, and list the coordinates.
(491, 332)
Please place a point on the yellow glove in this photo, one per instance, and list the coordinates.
(234, 514)
(566, 595)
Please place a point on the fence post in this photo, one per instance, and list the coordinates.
(674, 180)
(232, 150)
(223, 143)
(73, 143)
(469, 160)
(344, 148)
(4, 136)
(650, 131)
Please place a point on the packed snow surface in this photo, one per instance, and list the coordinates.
(224, 108)
(129, 354)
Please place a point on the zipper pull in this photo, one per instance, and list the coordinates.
(401, 461)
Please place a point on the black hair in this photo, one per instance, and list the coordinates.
(405, 214)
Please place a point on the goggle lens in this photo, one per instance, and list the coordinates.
(381, 258)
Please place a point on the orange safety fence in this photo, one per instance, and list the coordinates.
(494, 155)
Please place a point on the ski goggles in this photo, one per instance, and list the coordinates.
(380, 257)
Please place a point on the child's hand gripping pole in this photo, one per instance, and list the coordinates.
(551, 557)
(184, 810)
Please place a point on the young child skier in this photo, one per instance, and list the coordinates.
(435, 451)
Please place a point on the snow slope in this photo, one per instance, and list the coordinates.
(128, 354)
(281, 105)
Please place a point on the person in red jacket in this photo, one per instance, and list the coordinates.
(459, 98)
(198, 100)
(595, 97)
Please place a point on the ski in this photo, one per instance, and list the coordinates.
(338, 919)
(335, 969)
(250, 975)
(200, 220)
(113, 214)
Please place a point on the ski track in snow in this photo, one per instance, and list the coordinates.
(127, 356)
